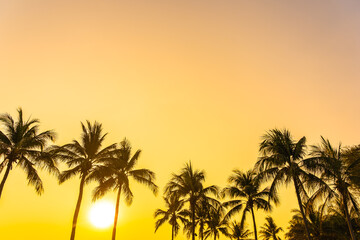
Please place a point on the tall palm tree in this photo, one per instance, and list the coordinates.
(84, 158)
(237, 231)
(22, 144)
(189, 184)
(270, 230)
(215, 223)
(337, 171)
(116, 174)
(172, 215)
(282, 162)
(245, 192)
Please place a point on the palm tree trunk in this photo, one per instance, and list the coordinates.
(253, 217)
(8, 167)
(348, 219)
(301, 209)
(172, 233)
(77, 209)
(116, 214)
(193, 220)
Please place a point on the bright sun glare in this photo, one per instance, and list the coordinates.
(101, 214)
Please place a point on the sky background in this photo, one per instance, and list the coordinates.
(182, 80)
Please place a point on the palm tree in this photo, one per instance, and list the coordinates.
(116, 174)
(215, 223)
(270, 230)
(337, 171)
(245, 188)
(189, 184)
(237, 231)
(281, 161)
(22, 144)
(173, 213)
(83, 159)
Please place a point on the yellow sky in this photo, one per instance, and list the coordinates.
(182, 80)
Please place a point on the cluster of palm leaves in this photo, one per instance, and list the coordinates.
(112, 167)
(324, 178)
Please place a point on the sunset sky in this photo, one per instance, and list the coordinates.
(182, 80)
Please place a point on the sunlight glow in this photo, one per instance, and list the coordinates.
(101, 214)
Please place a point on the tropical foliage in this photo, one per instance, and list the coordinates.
(115, 174)
(22, 144)
(326, 180)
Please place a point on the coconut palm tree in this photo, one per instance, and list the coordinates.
(245, 192)
(215, 223)
(189, 184)
(84, 158)
(270, 230)
(337, 171)
(172, 215)
(282, 162)
(237, 231)
(22, 144)
(116, 174)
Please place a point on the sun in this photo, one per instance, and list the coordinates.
(101, 214)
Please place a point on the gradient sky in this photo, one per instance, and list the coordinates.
(182, 80)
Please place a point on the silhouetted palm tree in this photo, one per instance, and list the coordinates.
(237, 231)
(281, 161)
(22, 144)
(202, 214)
(215, 223)
(83, 159)
(245, 190)
(116, 174)
(189, 184)
(172, 215)
(323, 225)
(337, 171)
(270, 230)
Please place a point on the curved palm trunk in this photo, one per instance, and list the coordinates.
(116, 214)
(253, 217)
(302, 210)
(8, 167)
(77, 209)
(348, 220)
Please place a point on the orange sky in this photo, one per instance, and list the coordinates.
(183, 80)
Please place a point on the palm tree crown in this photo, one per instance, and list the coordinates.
(338, 175)
(245, 192)
(115, 175)
(237, 231)
(189, 184)
(22, 144)
(172, 215)
(282, 161)
(270, 230)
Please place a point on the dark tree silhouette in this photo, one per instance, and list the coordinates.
(189, 184)
(216, 223)
(116, 174)
(245, 192)
(270, 230)
(173, 214)
(336, 171)
(84, 159)
(282, 162)
(23, 145)
(237, 231)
